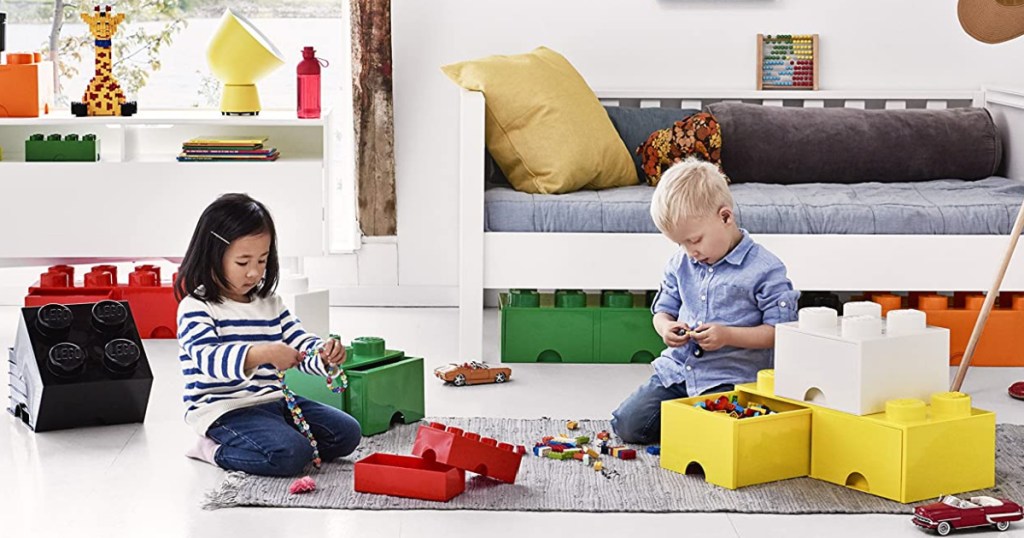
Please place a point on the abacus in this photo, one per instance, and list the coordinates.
(787, 62)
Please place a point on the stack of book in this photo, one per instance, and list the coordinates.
(227, 148)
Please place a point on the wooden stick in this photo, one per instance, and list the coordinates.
(990, 299)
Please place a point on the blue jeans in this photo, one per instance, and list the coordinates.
(638, 418)
(263, 440)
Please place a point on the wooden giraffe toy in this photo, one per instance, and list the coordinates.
(103, 96)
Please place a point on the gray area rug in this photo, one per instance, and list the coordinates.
(548, 485)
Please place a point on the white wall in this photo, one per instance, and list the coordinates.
(646, 43)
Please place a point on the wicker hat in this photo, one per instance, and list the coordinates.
(992, 21)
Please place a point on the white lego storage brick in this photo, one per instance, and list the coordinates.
(312, 307)
(856, 363)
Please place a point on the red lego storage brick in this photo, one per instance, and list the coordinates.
(468, 451)
(152, 303)
(408, 476)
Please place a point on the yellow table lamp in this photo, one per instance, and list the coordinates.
(239, 55)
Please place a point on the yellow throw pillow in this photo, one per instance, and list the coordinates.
(545, 127)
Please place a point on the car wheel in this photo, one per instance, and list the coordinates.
(459, 380)
(1003, 525)
(500, 378)
(943, 528)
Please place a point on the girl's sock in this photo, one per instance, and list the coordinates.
(204, 450)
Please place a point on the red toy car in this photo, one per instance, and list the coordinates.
(954, 513)
(472, 373)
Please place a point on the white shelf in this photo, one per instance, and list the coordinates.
(267, 118)
(140, 202)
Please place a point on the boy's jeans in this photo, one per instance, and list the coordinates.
(263, 440)
(638, 418)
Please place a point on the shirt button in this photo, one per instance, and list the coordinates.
(711, 269)
(688, 368)
(704, 298)
(782, 303)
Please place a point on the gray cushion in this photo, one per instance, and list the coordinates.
(788, 145)
(988, 206)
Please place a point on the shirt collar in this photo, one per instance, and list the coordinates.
(738, 253)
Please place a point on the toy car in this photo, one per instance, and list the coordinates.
(951, 513)
(472, 373)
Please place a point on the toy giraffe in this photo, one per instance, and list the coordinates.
(103, 96)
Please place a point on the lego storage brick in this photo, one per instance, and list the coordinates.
(467, 451)
(854, 364)
(616, 330)
(70, 148)
(907, 453)
(79, 365)
(732, 452)
(408, 476)
(383, 386)
(998, 345)
(152, 301)
(28, 86)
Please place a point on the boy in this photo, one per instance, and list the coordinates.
(719, 301)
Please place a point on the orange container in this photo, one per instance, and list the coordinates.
(27, 86)
(999, 342)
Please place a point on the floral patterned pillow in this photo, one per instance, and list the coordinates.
(698, 135)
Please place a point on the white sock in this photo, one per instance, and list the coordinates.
(204, 450)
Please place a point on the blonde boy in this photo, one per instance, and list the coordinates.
(719, 301)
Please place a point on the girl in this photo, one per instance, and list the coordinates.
(235, 335)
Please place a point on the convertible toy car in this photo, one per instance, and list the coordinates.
(953, 513)
(472, 373)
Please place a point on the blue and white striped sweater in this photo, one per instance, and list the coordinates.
(213, 340)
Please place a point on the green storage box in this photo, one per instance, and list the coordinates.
(384, 386)
(614, 327)
(70, 148)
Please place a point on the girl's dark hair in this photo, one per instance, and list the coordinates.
(229, 217)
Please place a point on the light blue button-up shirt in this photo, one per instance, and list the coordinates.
(746, 288)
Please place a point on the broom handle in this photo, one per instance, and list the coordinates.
(990, 299)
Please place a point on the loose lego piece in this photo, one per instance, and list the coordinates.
(598, 466)
(572, 425)
(626, 454)
(603, 434)
(654, 450)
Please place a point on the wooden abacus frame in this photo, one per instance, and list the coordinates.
(760, 66)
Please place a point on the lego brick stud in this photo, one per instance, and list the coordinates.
(905, 322)
(818, 318)
(861, 327)
(862, 308)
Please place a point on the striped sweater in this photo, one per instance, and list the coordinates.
(213, 340)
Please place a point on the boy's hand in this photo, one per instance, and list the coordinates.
(711, 336)
(333, 353)
(675, 334)
(280, 355)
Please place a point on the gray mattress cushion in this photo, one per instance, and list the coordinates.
(941, 207)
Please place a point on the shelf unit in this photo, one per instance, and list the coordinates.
(139, 202)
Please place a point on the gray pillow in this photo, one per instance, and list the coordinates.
(789, 145)
(635, 126)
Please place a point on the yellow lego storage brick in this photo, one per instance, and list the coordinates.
(736, 452)
(908, 453)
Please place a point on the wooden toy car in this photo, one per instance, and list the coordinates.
(951, 513)
(472, 373)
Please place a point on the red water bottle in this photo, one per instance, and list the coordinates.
(309, 83)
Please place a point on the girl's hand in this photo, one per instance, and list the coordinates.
(280, 355)
(711, 336)
(675, 334)
(333, 352)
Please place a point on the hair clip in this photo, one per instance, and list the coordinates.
(215, 234)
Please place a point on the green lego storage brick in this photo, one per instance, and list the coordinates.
(572, 327)
(383, 386)
(54, 148)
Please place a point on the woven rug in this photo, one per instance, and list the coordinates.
(548, 485)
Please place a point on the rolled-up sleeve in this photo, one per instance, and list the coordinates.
(776, 297)
(668, 298)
